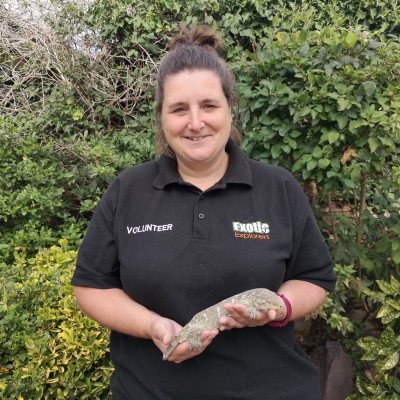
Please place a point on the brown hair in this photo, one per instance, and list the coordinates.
(194, 49)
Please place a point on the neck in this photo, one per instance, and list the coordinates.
(204, 177)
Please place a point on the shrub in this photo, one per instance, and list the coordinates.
(49, 349)
(334, 308)
(324, 106)
(51, 185)
(383, 379)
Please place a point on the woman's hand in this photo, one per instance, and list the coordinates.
(294, 291)
(240, 317)
(162, 331)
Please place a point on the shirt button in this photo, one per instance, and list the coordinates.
(201, 215)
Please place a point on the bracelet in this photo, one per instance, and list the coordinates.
(280, 324)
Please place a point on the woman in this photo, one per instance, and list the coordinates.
(202, 223)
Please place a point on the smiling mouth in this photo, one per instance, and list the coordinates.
(195, 138)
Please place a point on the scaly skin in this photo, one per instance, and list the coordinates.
(208, 319)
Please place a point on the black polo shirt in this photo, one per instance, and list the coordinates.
(177, 250)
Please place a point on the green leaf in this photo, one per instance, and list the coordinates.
(295, 134)
(276, 151)
(343, 104)
(298, 165)
(292, 143)
(368, 342)
(364, 155)
(341, 88)
(265, 119)
(77, 115)
(355, 174)
(383, 245)
(393, 316)
(247, 32)
(395, 284)
(311, 78)
(351, 39)
(304, 50)
(396, 256)
(339, 251)
(342, 121)
(385, 287)
(369, 265)
(384, 311)
(333, 136)
(394, 304)
(369, 88)
(303, 98)
(390, 361)
(373, 144)
(323, 163)
(312, 164)
(318, 152)
(348, 183)
(388, 142)
(303, 36)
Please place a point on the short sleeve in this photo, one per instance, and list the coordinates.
(97, 264)
(310, 259)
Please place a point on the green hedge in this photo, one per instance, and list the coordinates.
(50, 185)
(383, 353)
(49, 349)
(326, 106)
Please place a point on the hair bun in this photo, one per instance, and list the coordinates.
(202, 35)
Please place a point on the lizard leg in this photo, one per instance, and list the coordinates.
(252, 311)
(193, 337)
(251, 308)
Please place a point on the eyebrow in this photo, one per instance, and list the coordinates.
(182, 103)
(175, 105)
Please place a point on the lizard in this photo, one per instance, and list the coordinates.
(208, 319)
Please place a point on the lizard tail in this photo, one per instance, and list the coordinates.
(169, 350)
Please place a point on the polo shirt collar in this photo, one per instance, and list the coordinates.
(238, 171)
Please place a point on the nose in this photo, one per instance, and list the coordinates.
(196, 122)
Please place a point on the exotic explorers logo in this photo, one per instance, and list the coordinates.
(251, 230)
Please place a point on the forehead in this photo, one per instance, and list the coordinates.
(192, 84)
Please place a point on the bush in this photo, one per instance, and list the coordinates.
(382, 381)
(324, 106)
(49, 349)
(51, 185)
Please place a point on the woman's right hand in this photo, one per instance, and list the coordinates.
(162, 331)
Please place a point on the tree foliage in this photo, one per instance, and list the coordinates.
(49, 349)
(383, 379)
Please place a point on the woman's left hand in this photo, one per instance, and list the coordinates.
(240, 317)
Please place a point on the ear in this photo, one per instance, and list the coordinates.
(230, 114)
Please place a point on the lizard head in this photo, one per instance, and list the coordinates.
(267, 300)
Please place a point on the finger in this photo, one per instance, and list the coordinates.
(182, 352)
(230, 323)
(240, 317)
(208, 336)
(237, 310)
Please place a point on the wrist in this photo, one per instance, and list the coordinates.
(280, 324)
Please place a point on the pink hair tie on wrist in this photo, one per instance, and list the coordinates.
(280, 324)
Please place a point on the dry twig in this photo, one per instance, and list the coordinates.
(34, 60)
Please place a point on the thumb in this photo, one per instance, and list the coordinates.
(272, 315)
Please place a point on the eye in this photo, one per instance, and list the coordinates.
(209, 106)
(179, 110)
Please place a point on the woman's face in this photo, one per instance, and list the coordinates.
(196, 118)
